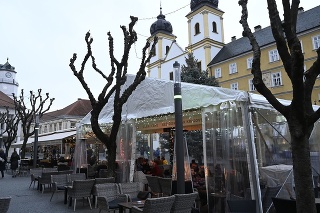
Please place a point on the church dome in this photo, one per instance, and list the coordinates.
(161, 25)
(195, 4)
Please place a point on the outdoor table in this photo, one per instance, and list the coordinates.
(129, 205)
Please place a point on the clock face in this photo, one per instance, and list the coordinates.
(8, 74)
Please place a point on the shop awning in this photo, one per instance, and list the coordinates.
(48, 139)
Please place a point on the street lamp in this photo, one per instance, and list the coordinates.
(35, 146)
(178, 129)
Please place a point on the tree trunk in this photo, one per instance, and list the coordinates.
(302, 174)
(112, 148)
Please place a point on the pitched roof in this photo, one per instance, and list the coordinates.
(307, 20)
(80, 108)
(6, 101)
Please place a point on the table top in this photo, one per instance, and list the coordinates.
(129, 205)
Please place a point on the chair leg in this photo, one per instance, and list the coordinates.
(89, 202)
(95, 201)
(30, 184)
(51, 196)
(75, 202)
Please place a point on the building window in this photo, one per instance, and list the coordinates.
(199, 65)
(214, 27)
(234, 86)
(233, 68)
(251, 86)
(273, 55)
(217, 72)
(153, 52)
(249, 63)
(276, 79)
(171, 76)
(316, 42)
(197, 28)
(167, 49)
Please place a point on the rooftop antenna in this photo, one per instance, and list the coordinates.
(160, 8)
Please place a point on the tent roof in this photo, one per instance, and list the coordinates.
(155, 97)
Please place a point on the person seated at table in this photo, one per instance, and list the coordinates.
(164, 161)
(193, 164)
(155, 170)
(146, 169)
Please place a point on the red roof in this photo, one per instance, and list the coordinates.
(80, 108)
(6, 101)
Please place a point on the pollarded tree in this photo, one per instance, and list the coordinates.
(299, 114)
(27, 115)
(191, 73)
(11, 128)
(118, 74)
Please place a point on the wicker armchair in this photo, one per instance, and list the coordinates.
(156, 205)
(4, 204)
(77, 176)
(104, 180)
(45, 179)
(59, 182)
(154, 184)
(183, 202)
(80, 189)
(34, 174)
(131, 190)
(107, 196)
(165, 184)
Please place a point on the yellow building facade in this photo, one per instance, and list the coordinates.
(232, 65)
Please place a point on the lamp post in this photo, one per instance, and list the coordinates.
(35, 146)
(179, 129)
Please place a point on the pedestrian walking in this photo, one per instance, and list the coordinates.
(3, 161)
(14, 160)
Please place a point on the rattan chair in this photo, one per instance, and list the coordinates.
(154, 184)
(4, 204)
(165, 184)
(103, 173)
(284, 205)
(184, 202)
(45, 179)
(59, 182)
(131, 190)
(77, 176)
(80, 189)
(107, 196)
(105, 180)
(156, 205)
(35, 174)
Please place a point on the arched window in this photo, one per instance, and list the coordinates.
(214, 27)
(197, 28)
(167, 49)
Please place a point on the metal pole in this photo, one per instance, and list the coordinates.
(179, 130)
(1, 136)
(35, 146)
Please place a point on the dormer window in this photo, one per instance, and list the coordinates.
(214, 27)
(197, 28)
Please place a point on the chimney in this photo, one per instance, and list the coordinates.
(257, 28)
(233, 38)
(300, 10)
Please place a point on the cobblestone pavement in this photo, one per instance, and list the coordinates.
(24, 200)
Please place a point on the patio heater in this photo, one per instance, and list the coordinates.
(178, 129)
(35, 146)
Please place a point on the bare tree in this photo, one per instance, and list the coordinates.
(26, 116)
(118, 73)
(11, 128)
(299, 114)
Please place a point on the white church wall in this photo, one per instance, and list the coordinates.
(197, 19)
(200, 56)
(217, 36)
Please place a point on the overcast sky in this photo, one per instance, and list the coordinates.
(39, 37)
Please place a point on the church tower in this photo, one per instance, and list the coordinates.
(205, 30)
(163, 30)
(8, 84)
